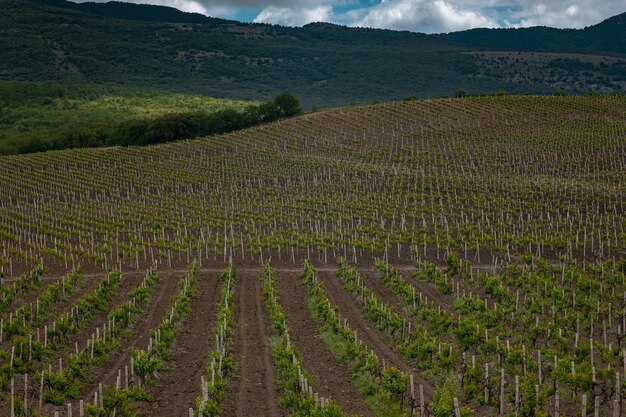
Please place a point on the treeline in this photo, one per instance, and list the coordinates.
(166, 128)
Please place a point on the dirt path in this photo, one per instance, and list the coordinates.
(331, 377)
(139, 335)
(26, 298)
(350, 310)
(435, 297)
(373, 282)
(64, 305)
(121, 293)
(177, 388)
(254, 394)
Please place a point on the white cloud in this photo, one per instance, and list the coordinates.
(415, 15)
(563, 13)
(423, 16)
(294, 17)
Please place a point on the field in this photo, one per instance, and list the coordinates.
(47, 111)
(447, 257)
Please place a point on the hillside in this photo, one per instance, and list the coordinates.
(317, 265)
(33, 116)
(536, 154)
(323, 64)
(605, 37)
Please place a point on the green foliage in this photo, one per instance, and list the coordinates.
(287, 358)
(77, 117)
(288, 104)
(442, 404)
(143, 46)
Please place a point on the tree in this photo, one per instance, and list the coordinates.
(288, 104)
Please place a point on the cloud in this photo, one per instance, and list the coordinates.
(294, 17)
(423, 16)
(563, 13)
(414, 15)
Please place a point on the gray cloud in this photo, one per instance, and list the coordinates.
(415, 15)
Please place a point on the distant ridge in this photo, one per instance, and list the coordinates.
(324, 64)
(133, 11)
(608, 36)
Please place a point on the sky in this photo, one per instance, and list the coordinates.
(427, 16)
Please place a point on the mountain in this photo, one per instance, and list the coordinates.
(324, 64)
(608, 37)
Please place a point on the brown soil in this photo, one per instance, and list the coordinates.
(430, 290)
(331, 377)
(373, 282)
(126, 285)
(62, 306)
(177, 388)
(140, 333)
(254, 393)
(349, 309)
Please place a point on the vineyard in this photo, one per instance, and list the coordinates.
(452, 257)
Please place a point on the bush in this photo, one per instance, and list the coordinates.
(288, 105)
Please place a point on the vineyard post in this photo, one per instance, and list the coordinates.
(457, 411)
(41, 391)
(69, 410)
(584, 409)
(618, 396)
(12, 397)
(501, 391)
(81, 408)
(487, 383)
(539, 370)
(557, 406)
(422, 407)
(26, 395)
(516, 395)
(412, 388)
(596, 407)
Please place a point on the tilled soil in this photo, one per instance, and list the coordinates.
(176, 389)
(155, 310)
(331, 378)
(254, 393)
(128, 283)
(56, 309)
(349, 309)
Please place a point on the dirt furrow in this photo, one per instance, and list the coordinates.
(254, 393)
(57, 308)
(374, 282)
(177, 388)
(349, 309)
(331, 377)
(128, 282)
(139, 335)
(430, 290)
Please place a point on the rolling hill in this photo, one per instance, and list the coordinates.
(324, 64)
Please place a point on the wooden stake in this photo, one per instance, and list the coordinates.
(501, 391)
(12, 397)
(557, 405)
(26, 395)
(457, 410)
